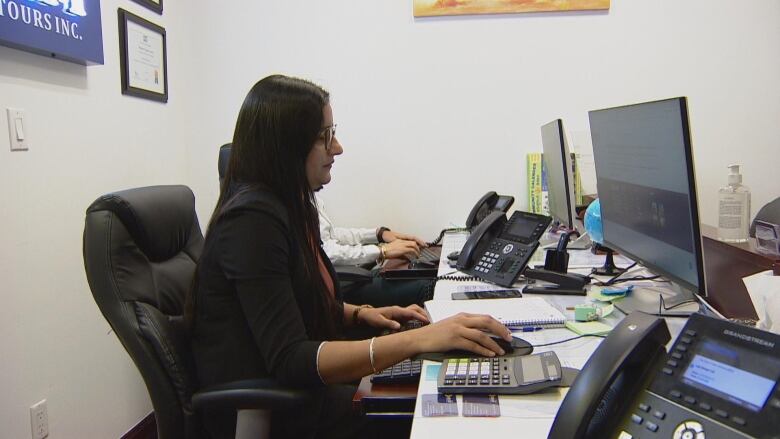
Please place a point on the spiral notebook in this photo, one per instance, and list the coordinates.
(513, 313)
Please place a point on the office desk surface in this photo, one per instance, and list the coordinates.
(527, 416)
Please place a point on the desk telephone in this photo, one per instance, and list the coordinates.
(498, 249)
(719, 380)
(490, 202)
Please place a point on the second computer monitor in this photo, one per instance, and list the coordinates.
(560, 181)
(647, 190)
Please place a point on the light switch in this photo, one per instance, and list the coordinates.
(18, 129)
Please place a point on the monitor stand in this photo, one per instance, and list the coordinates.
(677, 302)
(550, 240)
(583, 242)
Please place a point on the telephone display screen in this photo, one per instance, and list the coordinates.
(521, 228)
(737, 375)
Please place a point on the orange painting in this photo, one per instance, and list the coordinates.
(428, 8)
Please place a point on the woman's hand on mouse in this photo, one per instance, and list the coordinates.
(470, 332)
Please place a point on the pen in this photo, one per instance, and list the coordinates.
(525, 328)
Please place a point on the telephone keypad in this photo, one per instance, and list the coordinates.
(651, 426)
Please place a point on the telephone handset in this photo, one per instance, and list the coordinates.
(498, 249)
(489, 202)
(615, 369)
(719, 380)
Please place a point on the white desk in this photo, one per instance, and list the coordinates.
(529, 416)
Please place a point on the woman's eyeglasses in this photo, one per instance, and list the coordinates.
(328, 133)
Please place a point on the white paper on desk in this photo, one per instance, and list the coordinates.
(585, 259)
(538, 405)
(515, 312)
(454, 242)
(764, 291)
(482, 286)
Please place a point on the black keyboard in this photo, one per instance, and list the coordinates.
(428, 255)
(405, 372)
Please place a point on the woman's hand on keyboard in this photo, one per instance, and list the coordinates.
(390, 236)
(391, 317)
(401, 248)
(470, 332)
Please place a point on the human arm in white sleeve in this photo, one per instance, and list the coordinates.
(347, 246)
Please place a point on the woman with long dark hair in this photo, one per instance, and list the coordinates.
(265, 302)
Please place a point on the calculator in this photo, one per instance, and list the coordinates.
(518, 375)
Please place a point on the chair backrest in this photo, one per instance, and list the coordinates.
(222, 161)
(140, 251)
(769, 213)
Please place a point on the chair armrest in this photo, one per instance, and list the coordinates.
(351, 273)
(249, 394)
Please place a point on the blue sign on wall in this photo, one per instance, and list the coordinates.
(66, 29)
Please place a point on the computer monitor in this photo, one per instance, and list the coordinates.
(647, 189)
(560, 179)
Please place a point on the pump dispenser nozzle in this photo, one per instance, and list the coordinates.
(734, 176)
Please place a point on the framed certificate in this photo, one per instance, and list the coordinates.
(155, 5)
(142, 57)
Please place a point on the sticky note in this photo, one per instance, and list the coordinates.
(589, 328)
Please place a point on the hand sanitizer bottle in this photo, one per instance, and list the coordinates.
(734, 208)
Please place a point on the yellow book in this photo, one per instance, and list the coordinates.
(534, 174)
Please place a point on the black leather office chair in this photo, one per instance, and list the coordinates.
(140, 251)
(347, 274)
(769, 213)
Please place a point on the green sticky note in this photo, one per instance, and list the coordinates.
(596, 294)
(589, 328)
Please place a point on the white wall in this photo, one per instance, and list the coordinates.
(86, 139)
(429, 106)
(458, 99)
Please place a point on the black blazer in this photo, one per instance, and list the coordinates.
(252, 301)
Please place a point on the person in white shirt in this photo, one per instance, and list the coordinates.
(350, 246)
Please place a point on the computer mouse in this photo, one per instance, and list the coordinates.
(517, 346)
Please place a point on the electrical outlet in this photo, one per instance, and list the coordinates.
(39, 420)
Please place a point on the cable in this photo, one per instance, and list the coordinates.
(441, 234)
(450, 276)
(614, 278)
(629, 279)
(662, 306)
(568, 339)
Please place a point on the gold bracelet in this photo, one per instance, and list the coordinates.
(382, 254)
(356, 312)
(371, 354)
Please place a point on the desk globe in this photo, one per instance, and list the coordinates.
(593, 222)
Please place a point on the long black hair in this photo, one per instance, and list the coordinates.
(277, 126)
